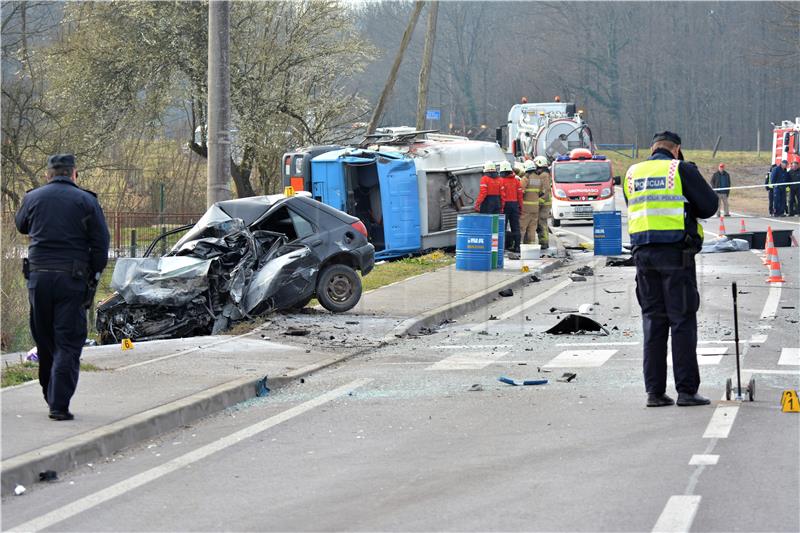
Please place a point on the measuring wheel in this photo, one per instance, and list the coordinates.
(751, 389)
(728, 389)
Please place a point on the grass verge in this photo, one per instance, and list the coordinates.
(20, 373)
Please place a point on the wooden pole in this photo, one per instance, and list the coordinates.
(427, 59)
(716, 146)
(387, 89)
(758, 142)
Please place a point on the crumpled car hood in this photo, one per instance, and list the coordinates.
(160, 280)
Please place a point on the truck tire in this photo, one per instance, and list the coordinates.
(556, 222)
(338, 288)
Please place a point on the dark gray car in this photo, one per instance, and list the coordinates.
(243, 258)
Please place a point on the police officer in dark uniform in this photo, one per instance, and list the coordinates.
(68, 250)
(665, 197)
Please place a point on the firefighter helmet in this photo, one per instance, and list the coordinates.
(529, 165)
(541, 161)
(489, 166)
(504, 166)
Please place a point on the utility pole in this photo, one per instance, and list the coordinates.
(427, 59)
(219, 93)
(387, 89)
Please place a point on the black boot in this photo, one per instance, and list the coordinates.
(659, 400)
(685, 399)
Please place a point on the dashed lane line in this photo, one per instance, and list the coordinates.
(719, 427)
(678, 514)
(469, 346)
(598, 344)
(703, 459)
(580, 359)
(552, 291)
(471, 361)
(773, 300)
(789, 356)
(123, 487)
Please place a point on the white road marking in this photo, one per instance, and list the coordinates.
(469, 346)
(702, 360)
(758, 339)
(118, 489)
(789, 356)
(678, 514)
(713, 350)
(704, 459)
(771, 305)
(719, 427)
(471, 361)
(580, 359)
(599, 344)
(765, 218)
(552, 291)
(786, 372)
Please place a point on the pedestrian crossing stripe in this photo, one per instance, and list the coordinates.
(127, 344)
(469, 361)
(789, 402)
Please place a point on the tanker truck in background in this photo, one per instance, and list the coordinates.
(582, 181)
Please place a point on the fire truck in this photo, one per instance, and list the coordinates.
(582, 183)
(786, 142)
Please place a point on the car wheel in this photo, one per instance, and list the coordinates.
(296, 308)
(338, 288)
(556, 222)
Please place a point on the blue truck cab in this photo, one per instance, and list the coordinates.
(379, 188)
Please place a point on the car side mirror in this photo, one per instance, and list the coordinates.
(617, 180)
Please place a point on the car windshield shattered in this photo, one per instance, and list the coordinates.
(228, 268)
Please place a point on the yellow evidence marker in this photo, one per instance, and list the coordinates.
(526, 268)
(288, 191)
(789, 402)
(127, 344)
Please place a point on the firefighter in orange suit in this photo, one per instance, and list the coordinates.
(512, 200)
(490, 195)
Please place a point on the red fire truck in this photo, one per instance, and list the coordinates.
(786, 142)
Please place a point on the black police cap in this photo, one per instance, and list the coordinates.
(61, 161)
(667, 136)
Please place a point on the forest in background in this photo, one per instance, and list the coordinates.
(122, 84)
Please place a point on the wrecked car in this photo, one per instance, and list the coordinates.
(243, 258)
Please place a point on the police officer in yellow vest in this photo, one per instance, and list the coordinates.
(665, 197)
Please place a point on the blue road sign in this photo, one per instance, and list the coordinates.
(433, 114)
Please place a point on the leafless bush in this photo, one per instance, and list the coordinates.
(14, 331)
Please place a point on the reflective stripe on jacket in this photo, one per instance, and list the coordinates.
(530, 190)
(656, 204)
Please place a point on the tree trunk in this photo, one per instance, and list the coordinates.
(387, 89)
(427, 59)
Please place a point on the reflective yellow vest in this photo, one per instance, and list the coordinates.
(656, 211)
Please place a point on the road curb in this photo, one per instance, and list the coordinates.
(466, 305)
(102, 442)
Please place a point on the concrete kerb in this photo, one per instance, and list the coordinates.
(107, 440)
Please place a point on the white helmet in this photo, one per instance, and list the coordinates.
(541, 161)
(519, 168)
(529, 165)
(505, 166)
(489, 166)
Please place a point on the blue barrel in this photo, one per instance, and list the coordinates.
(607, 233)
(501, 240)
(475, 236)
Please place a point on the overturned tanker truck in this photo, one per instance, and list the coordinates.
(242, 259)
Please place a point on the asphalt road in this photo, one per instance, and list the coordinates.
(397, 439)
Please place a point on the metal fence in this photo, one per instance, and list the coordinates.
(131, 232)
(628, 150)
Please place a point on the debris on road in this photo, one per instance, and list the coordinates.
(567, 377)
(505, 293)
(293, 331)
(476, 388)
(610, 291)
(586, 309)
(48, 475)
(352, 322)
(576, 277)
(724, 244)
(620, 261)
(19, 490)
(585, 270)
(510, 381)
(33, 355)
(535, 279)
(576, 324)
(261, 387)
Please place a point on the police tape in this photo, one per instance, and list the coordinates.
(766, 186)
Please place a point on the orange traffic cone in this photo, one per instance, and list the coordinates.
(722, 225)
(769, 244)
(775, 275)
(742, 228)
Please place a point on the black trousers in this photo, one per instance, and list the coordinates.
(794, 200)
(58, 325)
(491, 205)
(511, 211)
(666, 287)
